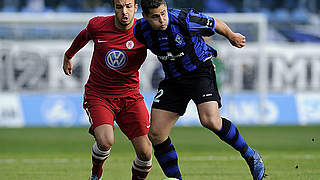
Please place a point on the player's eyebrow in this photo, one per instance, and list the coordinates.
(158, 14)
(155, 15)
(127, 4)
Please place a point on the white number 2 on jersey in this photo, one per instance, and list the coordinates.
(159, 94)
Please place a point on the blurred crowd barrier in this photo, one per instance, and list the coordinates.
(37, 67)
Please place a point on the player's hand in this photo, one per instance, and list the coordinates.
(237, 40)
(67, 65)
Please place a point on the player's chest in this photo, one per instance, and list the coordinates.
(169, 40)
(118, 51)
(107, 41)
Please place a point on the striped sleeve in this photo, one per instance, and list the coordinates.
(200, 24)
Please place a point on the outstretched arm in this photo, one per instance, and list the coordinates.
(236, 39)
(81, 40)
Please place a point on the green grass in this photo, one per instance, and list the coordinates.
(64, 154)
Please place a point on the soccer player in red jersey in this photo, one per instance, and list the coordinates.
(112, 90)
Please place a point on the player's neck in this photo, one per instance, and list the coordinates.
(119, 26)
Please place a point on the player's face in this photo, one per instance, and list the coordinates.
(158, 17)
(124, 13)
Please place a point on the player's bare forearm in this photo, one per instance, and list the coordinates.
(222, 29)
(67, 65)
(236, 39)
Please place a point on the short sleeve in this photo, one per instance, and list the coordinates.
(199, 23)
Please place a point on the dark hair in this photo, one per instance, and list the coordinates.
(135, 2)
(146, 5)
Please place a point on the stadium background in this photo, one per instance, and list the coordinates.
(270, 89)
(275, 79)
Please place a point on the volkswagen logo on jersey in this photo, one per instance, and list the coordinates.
(116, 59)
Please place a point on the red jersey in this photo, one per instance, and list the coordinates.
(116, 59)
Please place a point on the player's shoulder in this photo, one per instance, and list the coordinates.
(141, 24)
(181, 11)
(99, 19)
(184, 12)
(179, 16)
(140, 27)
(175, 11)
(96, 21)
(141, 21)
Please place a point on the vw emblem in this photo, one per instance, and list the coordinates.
(116, 59)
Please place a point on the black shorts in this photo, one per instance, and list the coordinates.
(200, 86)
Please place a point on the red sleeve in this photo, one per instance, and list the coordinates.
(81, 40)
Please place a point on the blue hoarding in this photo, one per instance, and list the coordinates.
(53, 110)
(18, 110)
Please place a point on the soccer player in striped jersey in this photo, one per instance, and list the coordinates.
(175, 36)
(112, 90)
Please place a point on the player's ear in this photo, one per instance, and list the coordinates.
(136, 6)
(144, 15)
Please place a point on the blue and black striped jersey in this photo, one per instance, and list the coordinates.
(180, 48)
